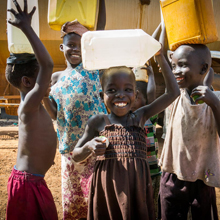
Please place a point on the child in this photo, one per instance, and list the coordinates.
(28, 195)
(144, 97)
(74, 98)
(191, 155)
(121, 184)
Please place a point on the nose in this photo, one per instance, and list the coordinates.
(176, 70)
(119, 94)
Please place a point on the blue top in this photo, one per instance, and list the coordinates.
(77, 97)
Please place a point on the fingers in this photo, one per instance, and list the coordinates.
(32, 12)
(12, 11)
(25, 6)
(17, 6)
(10, 22)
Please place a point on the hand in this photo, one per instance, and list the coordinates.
(205, 94)
(22, 18)
(97, 146)
(148, 67)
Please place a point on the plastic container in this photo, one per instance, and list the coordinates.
(17, 41)
(61, 11)
(189, 22)
(140, 74)
(104, 49)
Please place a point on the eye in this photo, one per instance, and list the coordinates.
(173, 66)
(129, 90)
(111, 90)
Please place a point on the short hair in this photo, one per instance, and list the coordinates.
(14, 72)
(141, 86)
(202, 52)
(72, 33)
(104, 75)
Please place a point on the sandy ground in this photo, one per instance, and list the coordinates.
(8, 150)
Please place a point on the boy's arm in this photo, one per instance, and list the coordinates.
(151, 85)
(209, 78)
(206, 95)
(89, 143)
(171, 93)
(23, 21)
(101, 16)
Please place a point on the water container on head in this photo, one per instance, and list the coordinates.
(17, 41)
(189, 22)
(61, 11)
(104, 49)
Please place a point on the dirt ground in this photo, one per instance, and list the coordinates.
(8, 151)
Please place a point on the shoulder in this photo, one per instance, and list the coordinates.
(97, 122)
(95, 119)
(55, 77)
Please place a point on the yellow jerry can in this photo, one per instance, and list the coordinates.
(189, 22)
(61, 11)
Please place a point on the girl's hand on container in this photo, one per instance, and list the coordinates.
(22, 18)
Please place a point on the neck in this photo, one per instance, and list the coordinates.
(23, 94)
(72, 66)
(123, 120)
(190, 89)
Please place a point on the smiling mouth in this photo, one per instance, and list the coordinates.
(121, 104)
(179, 79)
(75, 55)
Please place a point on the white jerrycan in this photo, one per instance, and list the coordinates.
(104, 49)
(17, 41)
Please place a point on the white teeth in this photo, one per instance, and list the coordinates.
(122, 104)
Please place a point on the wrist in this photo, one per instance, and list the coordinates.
(215, 105)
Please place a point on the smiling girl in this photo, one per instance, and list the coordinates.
(121, 184)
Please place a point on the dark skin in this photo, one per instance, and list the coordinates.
(37, 138)
(119, 94)
(190, 73)
(71, 49)
(140, 100)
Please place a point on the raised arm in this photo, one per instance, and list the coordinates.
(171, 93)
(151, 85)
(23, 21)
(209, 78)
(101, 16)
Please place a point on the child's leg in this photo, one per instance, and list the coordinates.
(204, 204)
(174, 197)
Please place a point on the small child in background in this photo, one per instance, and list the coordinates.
(28, 194)
(146, 94)
(190, 158)
(121, 183)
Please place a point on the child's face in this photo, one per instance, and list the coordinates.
(71, 48)
(119, 92)
(187, 67)
(140, 101)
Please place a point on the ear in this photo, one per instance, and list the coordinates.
(26, 82)
(170, 55)
(205, 67)
(61, 47)
(101, 95)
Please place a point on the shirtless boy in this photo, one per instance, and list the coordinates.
(28, 195)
